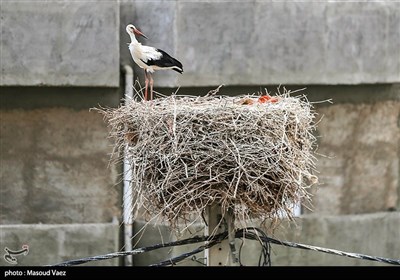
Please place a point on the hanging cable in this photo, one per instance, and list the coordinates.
(248, 233)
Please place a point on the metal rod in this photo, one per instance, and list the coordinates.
(127, 176)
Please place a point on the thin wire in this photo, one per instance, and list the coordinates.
(323, 250)
(175, 260)
(212, 240)
(195, 239)
(265, 254)
(240, 252)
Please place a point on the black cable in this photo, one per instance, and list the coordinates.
(255, 234)
(265, 256)
(191, 240)
(212, 240)
(239, 234)
(175, 260)
(240, 252)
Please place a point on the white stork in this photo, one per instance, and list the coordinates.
(150, 58)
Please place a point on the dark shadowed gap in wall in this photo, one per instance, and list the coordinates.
(68, 97)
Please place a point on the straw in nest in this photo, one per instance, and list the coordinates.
(251, 154)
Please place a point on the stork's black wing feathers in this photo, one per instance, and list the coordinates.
(166, 61)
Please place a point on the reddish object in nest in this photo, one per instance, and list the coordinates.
(267, 98)
(247, 101)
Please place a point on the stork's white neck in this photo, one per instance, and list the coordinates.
(133, 39)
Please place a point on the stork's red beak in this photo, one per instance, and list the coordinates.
(138, 32)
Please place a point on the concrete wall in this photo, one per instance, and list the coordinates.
(57, 188)
(371, 234)
(252, 43)
(59, 43)
(54, 167)
(361, 171)
(58, 192)
(266, 42)
(54, 151)
(52, 244)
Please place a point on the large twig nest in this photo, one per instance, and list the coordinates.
(251, 154)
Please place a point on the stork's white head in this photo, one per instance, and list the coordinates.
(132, 31)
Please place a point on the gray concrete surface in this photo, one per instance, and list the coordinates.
(54, 153)
(371, 234)
(265, 42)
(52, 244)
(55, 167)
(359, 172)
(252, 43)
(59, 43)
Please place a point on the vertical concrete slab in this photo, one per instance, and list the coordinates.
(214, 40)
(360, 174)
(267, 42)
(360, 42)
(60, 43)
(289, 43)
(55, 167)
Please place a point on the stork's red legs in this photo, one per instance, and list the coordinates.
(146, 85)
(149, 79)
(151, 86)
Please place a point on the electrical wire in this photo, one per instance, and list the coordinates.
(246, 233)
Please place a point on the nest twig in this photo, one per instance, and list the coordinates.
(189, 152)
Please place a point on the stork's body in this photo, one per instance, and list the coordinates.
(150, 59)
